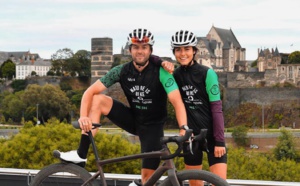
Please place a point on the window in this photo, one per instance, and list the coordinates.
(96, 58)
(290, 72)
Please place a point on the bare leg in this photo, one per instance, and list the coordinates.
(101, 104)
(146, 174)
(219, 169)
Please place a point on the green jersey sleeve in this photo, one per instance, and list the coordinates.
(112, 76)
(212, 86)
(167, 80)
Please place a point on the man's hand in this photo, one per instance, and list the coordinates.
(85, 123)
(168, 66)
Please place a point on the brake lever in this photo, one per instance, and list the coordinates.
(191, 145)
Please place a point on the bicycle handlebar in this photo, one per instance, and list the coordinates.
(76, 125)
(179, 141)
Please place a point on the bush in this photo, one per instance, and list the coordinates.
(286, 146)
(32, 147)
(239, 135)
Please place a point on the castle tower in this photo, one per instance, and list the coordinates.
(102, 57)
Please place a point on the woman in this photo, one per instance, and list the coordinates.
(200, 92)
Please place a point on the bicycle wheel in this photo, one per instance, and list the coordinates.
(63, 174)
(185, 175)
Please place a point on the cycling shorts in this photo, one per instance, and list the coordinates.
(149, 135)
(197, 156)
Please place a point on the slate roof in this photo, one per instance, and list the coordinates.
(227, 37)
(276, 53)
(38, 62)
(17, 55)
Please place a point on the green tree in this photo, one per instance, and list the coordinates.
(294, 57)
(2, 120)
(277, 120)
(75, 97)
(254, 63)
(83, 58)
(60, 60)
(286, 146)
(239, 135)
(51, 100)
(50, 73)
(12, 106)
(10, 121)
(65, 85)
(33, 73)
(117, 61)
(8, 69)
(18, 85)
(171, 120)
(65, 62)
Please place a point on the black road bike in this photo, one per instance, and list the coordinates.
(54, 174)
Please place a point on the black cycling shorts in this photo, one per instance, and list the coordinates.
(149, 135)
(197, 156)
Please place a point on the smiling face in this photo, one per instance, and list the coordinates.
(140, 53)
(184, 55)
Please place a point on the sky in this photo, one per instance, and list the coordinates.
(45, 26)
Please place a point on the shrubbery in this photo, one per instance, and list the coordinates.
(32, 148)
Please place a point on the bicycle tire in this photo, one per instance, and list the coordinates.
(208, 178)
(62, 174)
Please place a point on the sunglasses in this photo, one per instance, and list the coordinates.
(135, 40)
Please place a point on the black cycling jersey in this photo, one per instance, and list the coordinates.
(198, 86)
(145, 91)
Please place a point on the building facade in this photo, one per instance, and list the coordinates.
(268, 59)
(26, 68)
(220, 50)
(289, 73)
(27, 63)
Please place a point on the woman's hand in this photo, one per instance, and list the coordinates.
(168, 66)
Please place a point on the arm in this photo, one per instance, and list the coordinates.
(218, 122)
(213, 91)
(174, 97)
(176, 101)
(168, 66)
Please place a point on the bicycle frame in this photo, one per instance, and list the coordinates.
(167, 166)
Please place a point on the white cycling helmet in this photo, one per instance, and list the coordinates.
(140, 35)
(183, 38)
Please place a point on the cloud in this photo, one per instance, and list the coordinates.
(50, 25)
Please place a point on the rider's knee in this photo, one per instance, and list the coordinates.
(100, 101)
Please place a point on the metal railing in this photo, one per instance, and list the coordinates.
(30, 173)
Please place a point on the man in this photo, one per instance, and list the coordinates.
(147, 87)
